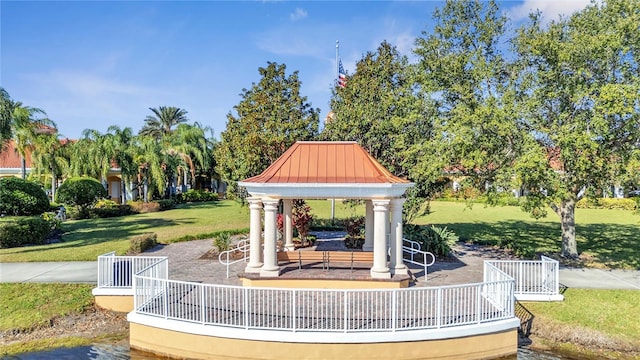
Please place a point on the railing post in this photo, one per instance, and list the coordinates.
(394, 307)
(439, 309)
(478, 299)
(245, 304)
(345, 310)
(165, 287)
(202, 304)
(294, 313)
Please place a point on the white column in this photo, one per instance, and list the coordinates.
(255, 236)
(397, 263)
(368, 227)
(287, 225)
(270, 267)
(380, 231)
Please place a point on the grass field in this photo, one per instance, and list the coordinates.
(26, 306)
(606, 238)
(589, 318)
(84, 240)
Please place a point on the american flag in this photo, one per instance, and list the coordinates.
(342, 75)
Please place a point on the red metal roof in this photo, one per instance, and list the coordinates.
(9, 157)
(328, 162)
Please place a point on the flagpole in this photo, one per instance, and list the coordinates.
(337, 58)
(333, 200)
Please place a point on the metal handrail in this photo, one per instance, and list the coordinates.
(242, 246)
(414, 248)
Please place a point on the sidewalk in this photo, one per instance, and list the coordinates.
(87, 272)
(186, 263)
(48, 272)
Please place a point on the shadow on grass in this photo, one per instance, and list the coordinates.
(612, 245)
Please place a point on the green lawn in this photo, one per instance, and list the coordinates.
(26, 306)
(586, 313)
(606, 238)
(84, 240)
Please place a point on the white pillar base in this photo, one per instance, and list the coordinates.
(400, 270)
(381, 274)
(253, 268)
(270, 272)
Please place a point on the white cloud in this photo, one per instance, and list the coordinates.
(550, 9)
(298, 14)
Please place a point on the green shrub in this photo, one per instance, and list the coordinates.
(21, 197)
(83, 192)
(166, 204)
(107, 208)
(53, 221)
(607, 203)
(433, 239)
(142, 243)
(31, 230)
(223, 241)
(144, 207)
(197, 196)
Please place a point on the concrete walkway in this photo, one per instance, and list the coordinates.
(186, 263)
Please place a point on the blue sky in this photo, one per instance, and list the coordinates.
(91, 64)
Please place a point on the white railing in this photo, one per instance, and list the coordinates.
(534, 279)
(412, 248)
(225, 257)
(117, 271)
(493, 291)
(323, 310)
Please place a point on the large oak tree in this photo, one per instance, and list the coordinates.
(581, 78)
(271, 116)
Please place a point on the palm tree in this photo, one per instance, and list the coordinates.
(163, 121)
(6, 108)
(148, 156)
(51, 155)
(119, 143)
(26, 128)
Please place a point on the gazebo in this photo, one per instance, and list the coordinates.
(326, 170)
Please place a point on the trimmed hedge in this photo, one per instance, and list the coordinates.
(23, 231)
(21, 197)
(607, 203)
(196, 196)
(142, 243)
(109, 208)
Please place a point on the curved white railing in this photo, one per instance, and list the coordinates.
(324, 310)
(225, 257)
(412, 248)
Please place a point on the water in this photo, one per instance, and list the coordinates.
(122, 352)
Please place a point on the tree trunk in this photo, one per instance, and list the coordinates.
(24, 167)
(146, 191)
(124, 190)
(53, 186)
(567, 214)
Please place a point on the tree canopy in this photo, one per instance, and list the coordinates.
(379, 109)
(271, 116)
(581, 80)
